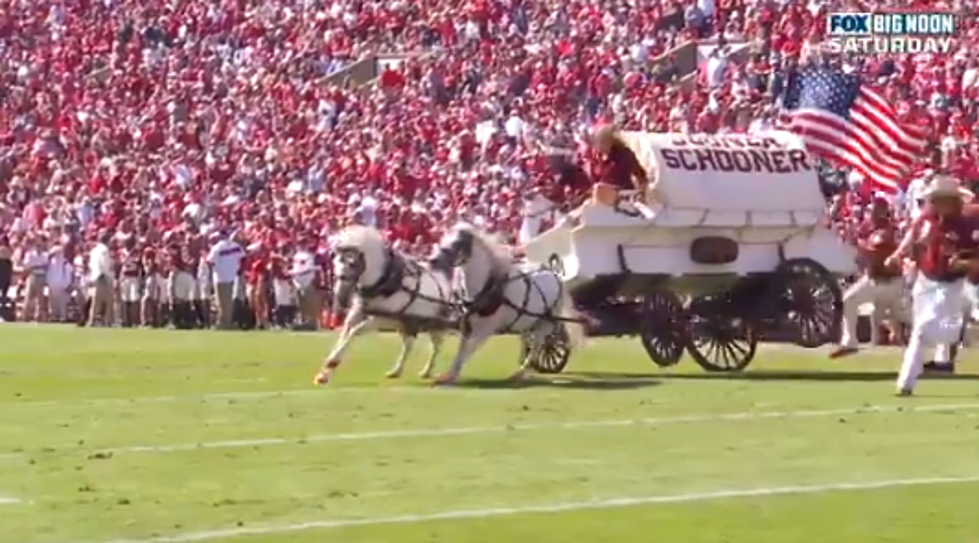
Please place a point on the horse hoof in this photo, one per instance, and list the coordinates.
(444, 380)
(425, 374)
(393, 374)
(321, 378)
(517, 377)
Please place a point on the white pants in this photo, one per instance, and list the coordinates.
(971, 299)
(887, 297)
(155, 288)
(283, 292)
(182, 286)
(240, 289)
(202, 290)
(130, 289)
(937, 320)
(58, 296)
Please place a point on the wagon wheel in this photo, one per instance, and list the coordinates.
(553, 355)
(812, 301)
(719, 339)
(662, 327)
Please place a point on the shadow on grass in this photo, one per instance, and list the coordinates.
(777, 375)
(591, 382)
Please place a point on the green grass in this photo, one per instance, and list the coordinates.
(134, 434)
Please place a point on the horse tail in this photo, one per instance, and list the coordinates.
(570, 318)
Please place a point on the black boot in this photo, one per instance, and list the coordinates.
(178, 315)
(201, 314)
(86, 309)
(126, 319)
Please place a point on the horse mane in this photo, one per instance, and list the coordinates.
(359, 236)
(497, 249)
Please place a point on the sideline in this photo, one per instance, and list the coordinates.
(443, 432)
(608, 503)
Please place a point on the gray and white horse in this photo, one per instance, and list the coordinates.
(385, 285)
(502, 297)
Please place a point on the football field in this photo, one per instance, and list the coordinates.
(141, 436)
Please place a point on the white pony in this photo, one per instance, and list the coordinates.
(502, 297)
(385, 285)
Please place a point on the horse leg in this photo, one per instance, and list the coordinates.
(356, 323)
(407, 342)
(437, 338)
(470, 343)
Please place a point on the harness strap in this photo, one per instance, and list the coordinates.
(389, 277)
(391, 282)
(523, 312)
(492, 296)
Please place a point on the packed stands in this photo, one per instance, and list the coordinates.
(281, 120)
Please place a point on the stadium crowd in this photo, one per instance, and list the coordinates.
(140, 136)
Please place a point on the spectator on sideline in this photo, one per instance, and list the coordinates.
(203, 294)
(131, 282)
(153, 304)
(102, 308)
(304, 278)
(61, 278)
(6, 268)
(225, 258)
(182, 283)
(34, 265)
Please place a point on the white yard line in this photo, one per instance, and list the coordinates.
(8, 500)
(561, 507)
(259, 394)
(437, 432)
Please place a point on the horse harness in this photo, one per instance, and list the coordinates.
(391, 282)
(492, 297)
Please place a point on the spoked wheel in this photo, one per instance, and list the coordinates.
(553, 355)
(719, 340)
(811, 301)
(663, 327)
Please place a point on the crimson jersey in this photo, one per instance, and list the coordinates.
(131, 266)
(941, 238)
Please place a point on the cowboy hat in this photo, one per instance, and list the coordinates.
(944, 185)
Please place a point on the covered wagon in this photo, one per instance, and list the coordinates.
(729, 242)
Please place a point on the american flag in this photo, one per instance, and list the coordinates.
(847, 123)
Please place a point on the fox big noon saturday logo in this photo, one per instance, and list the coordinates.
(890, 32)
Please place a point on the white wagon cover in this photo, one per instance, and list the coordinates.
(729, 173)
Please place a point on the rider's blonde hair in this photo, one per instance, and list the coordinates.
(606, 132)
